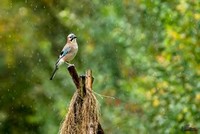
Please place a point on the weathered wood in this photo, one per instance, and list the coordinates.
(82, 90)
(89, 79)
(83, 112)
(74, 75)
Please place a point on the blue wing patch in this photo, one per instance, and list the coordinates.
(63, 53)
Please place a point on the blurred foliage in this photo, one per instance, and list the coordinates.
(146, 54)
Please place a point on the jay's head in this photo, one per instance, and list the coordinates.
(71, 38)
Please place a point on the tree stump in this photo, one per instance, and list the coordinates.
(83, 114)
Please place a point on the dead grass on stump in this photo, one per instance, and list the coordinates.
(83, 115)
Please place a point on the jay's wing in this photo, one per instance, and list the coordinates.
(63, 53)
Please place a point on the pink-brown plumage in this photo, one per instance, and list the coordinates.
(68, 53)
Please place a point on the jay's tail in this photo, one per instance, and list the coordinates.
(54, 72)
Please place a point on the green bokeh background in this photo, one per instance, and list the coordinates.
(144, 53)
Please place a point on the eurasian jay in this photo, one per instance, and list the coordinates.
(68, 53)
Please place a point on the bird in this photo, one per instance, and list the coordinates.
(67, 54)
